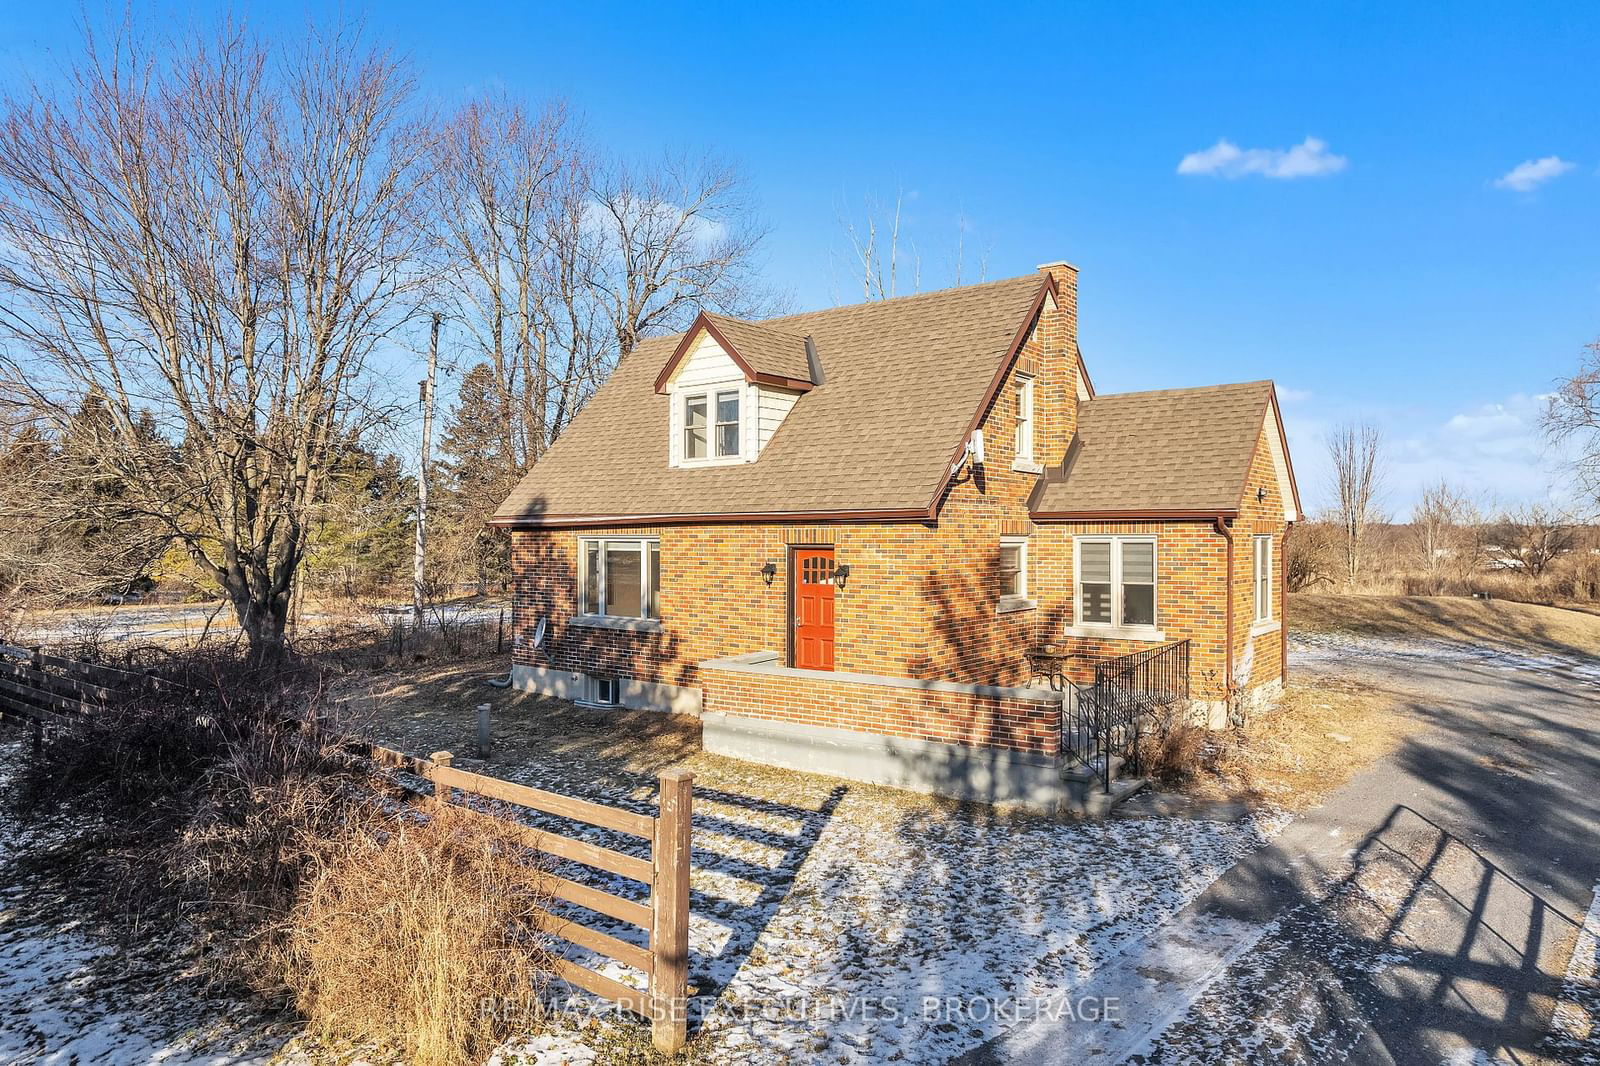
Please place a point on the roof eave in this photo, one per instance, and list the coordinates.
(703, 321)
(1047, 287)
(592, 521)
(1191, 514)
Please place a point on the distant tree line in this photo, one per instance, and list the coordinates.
(1455, 541)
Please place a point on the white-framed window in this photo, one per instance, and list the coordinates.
(1014, 568)
(602, 690)
(712, 427)
(1023, 390)
(695, 439)
(728, 423)
(619, 577)
(1115, 579)
(1263, 577)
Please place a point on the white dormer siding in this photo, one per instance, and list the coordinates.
(773, 406)
(707, 370)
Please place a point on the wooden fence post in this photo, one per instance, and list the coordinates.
(483, 730)
(669, 914)
(441, 793)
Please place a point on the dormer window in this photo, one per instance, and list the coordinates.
(728, 423)
(730, 384)
(694, 427)
(722, 438)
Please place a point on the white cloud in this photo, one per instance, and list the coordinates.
(1288, 395)
(1308, 159)
(1530, 174)
(1495, 451)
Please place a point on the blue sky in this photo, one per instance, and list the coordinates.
(1385, 269)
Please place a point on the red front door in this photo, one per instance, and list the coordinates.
(813, 608)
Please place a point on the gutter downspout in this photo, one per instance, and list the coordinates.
(1227, 537)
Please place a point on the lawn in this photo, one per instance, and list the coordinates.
(1524, 627)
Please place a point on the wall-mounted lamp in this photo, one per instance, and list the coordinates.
(1261, 494)
(768, 572)
(841, 574)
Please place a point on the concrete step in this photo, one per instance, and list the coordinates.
(1086, 799)
(1096, 802)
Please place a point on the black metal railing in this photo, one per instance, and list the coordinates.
(1101, 722)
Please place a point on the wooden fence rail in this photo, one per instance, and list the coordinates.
(46, 688)
(665, 919)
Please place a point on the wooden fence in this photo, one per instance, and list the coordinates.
(46, 688)
(665, 919)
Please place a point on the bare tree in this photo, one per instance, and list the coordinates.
(1573, 417)
(875, 250)
(880, 250)
(506, 180)
(1311, 557)
(216, 235)
(1441, 522)
(1531, 537)
(1356, 451)
(672, 237)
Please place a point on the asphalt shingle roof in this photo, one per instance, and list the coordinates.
(767, 349)
(902, 380)
(1170, 450)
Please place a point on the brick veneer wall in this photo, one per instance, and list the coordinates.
(921, 599)
(1015, 723)
(1263, 651)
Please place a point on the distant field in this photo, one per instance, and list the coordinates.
(1505, 622)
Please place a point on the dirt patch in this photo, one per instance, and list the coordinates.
(1320, 736)
(1524, 626)
(426, 708)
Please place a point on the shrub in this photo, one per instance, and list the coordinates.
(1175, 752)
(406, 935)
(240, 814)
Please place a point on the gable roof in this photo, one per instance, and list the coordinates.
(766, 354)
(902, 382)
(1174, 452)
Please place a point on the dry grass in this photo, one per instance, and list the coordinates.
(424, 707)
(1319, 737)
(403, 938)
(1525, 626)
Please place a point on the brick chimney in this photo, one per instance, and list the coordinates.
(1060, 333)
(1066, 276)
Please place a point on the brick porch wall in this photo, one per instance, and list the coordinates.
(1011, 722)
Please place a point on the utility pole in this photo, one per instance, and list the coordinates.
(419, 556)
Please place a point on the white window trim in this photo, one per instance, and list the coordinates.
(709, 393)
(683, 402)
(1257, 542)
(1024, 461)
(647, 591)
(1113, 629)
(1019, 601)
(592, 684)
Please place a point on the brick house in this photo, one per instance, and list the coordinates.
(838, 536)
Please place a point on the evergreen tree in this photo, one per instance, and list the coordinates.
(474, 475)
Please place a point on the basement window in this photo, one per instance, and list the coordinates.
(602, 691)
